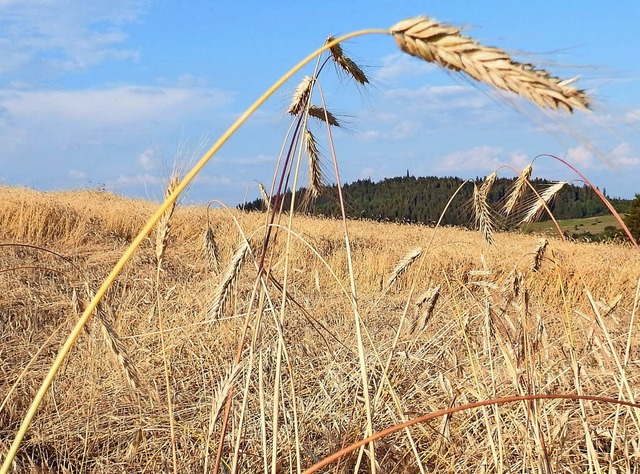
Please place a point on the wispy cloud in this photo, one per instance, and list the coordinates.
(439, 98)
(401, 66)
(248, 160)
(64, 35)
(620, 156)
(147, 159)
(76, 174)
(92, 116)
(482, 157)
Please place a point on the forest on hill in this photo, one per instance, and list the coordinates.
(423, 199)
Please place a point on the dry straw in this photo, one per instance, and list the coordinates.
(443, 44)
(420, 37)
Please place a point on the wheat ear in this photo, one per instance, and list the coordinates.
(346, 63)
(301, 95)
(403, 265)
(539, 255)
(518, 190)
(115, 344)
(323, 114)
(265, 197)
(231, 274)
(315, 173)
(542, 202)
(443, 44)
(164, 224)
(425, 305)
(211, 249)
(481, 209)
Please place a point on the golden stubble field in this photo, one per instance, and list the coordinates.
(487, 326)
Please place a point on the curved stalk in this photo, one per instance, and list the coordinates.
(128, 253)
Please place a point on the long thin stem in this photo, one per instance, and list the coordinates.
(447, 411)
(128, 253)
(601, 196)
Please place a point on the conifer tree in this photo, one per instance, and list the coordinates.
(632, 218)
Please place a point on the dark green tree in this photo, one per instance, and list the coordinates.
(632, 218)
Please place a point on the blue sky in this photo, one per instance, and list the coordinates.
(112, 93)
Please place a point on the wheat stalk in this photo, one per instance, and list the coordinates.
(323, 114)
(543, 201)
(443, 44)
(231, 274)
(403, 265)
(519, 188)
(346, 63)
(301, 95)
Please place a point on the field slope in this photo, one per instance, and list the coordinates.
(460, 322)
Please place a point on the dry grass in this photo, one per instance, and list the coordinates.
(326, 351)
(478, 332)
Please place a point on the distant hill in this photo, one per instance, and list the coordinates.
(422, 200)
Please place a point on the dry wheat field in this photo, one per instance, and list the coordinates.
(269, 341)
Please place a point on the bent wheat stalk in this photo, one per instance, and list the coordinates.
(447, 411)
(414, 36)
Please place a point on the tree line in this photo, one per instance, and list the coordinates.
(423, 200)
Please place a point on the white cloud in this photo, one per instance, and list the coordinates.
(400, 66)
(49, 35)
(247, 160)
(519, 160)
(632, 116)
(581, 157)
(136, 180)
(72, 118)
(478, 158)
(76, 174)
(215, 180)
(147, 159)
(439, 98)
(107, 106)
(625, 155)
